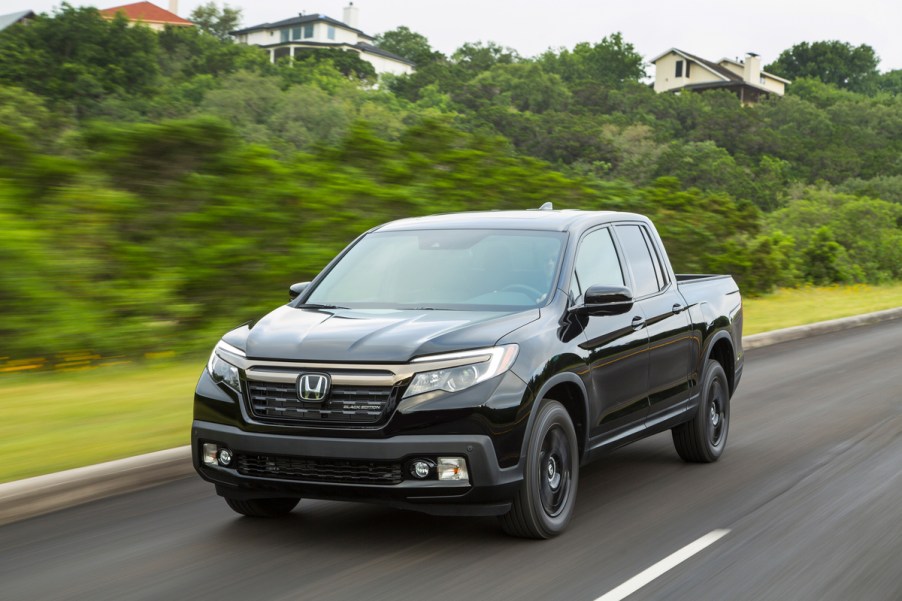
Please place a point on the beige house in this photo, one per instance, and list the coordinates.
(293, 36)
(677, 70)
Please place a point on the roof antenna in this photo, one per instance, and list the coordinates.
(546, 207)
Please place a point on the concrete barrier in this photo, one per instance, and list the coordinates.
(42, 494)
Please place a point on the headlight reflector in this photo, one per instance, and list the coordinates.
(488, 364)
(220, 369)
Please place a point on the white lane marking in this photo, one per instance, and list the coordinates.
(668, 563)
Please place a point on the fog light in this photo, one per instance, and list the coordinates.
(225, 457)
(452, 468)
(210, 451)
(420, 469)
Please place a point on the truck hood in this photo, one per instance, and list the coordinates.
(375, 336)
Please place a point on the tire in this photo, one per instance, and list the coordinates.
(263, 508)
(544, 504)
(703, 439)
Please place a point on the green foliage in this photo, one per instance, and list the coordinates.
(409, 44)
(81, 58)
(215, 21)
(612, 62)
(347, 63)
(159, 188)
(833, 62)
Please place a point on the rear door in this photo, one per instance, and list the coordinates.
(666, 321)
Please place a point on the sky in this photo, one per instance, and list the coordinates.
(712, 29)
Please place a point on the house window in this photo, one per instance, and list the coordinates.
(308, 31)
(295, 33)
(330, 32)
(761, 79)
(679, 68)
(285, 33)
(688, 64)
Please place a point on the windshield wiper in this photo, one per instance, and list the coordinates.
(318, 306)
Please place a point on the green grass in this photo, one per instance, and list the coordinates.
(800, 306)
(57, 421)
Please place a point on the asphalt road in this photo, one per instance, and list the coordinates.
(809, 489)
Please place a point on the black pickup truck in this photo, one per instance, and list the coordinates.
(469, 364)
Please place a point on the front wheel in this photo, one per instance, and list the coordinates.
(544, 505)
(702, 440)
(263, 508)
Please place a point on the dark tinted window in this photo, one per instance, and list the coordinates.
(679, 68)
(639, 259)
(596, 263)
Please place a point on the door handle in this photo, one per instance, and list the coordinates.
(638, 322)
(678, 308)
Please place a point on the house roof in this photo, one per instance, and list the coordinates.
(771, 75)
(13, 18)
(376, 50)
(299, 20)
(718, 70)
(146, 12)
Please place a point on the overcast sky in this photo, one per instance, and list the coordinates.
(712, 29)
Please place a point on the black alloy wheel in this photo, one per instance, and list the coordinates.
(544, 504)
(703, 439)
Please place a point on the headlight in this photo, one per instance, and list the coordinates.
(487, 363)
(220, 369)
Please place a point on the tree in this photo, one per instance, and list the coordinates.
(409, 44)
(216, 21)
(839, 63)
(347, 62)
(77, 57)
(612, 62)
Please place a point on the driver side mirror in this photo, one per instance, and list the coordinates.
(606, 300)
(295, 290)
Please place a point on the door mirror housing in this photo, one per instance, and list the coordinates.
(295, 290)
(606, 300)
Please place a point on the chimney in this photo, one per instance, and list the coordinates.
(174, 6)
(350, 15)
(751, 68)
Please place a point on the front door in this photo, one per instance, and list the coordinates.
(616, 345)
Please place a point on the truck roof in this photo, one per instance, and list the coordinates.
(547, 220)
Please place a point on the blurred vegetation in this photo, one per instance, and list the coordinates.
(158, 189)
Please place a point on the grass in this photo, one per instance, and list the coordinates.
(800, 306)
(56, 420)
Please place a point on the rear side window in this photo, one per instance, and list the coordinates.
(596, 263)
(641, 259)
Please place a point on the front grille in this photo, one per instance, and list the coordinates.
(345, 405)
(339, 471)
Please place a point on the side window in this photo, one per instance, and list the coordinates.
(639, 258)
(596, 263)
(656, 260)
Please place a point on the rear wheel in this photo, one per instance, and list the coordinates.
(263, 508)
(544, 505)
(702, 440)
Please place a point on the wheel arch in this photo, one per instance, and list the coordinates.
(721, 350)
(569, 390)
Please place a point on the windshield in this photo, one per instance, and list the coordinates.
(445, 269)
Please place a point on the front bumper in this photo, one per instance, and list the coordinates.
(488, 492)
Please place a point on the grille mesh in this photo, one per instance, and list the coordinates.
(320, 470)
(345, 405)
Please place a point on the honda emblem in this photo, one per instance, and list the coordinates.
(313, 387)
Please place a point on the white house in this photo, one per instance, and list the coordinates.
(292, 36)
(23, 16)
(678, 70)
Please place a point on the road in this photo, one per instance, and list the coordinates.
(809, 489)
